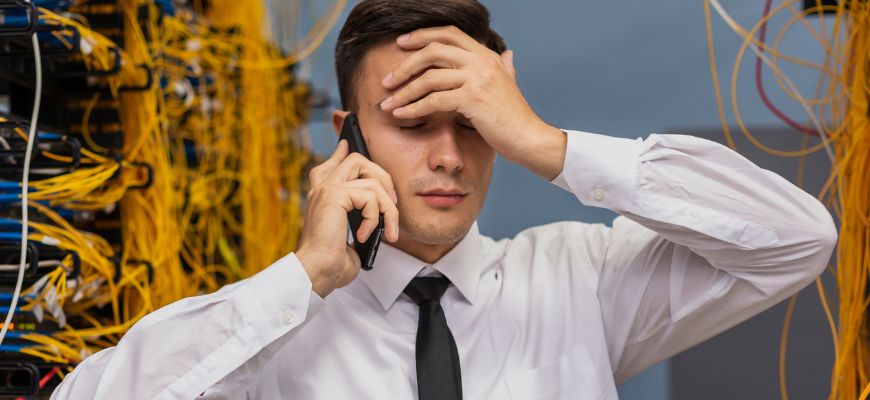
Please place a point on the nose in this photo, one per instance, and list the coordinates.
(445, 151)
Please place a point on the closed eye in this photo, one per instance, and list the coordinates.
(411, 127)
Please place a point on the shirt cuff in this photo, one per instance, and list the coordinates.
(601, 170)
(278, 299)
(560, 181)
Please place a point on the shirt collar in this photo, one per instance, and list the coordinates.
(393, 269)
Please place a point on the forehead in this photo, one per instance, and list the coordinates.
(377, 63)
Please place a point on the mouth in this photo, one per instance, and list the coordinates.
(443, 198)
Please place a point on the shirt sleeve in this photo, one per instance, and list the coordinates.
(211, 346)
(705, 239)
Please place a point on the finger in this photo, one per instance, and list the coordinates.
(449, 35)
(385, 206)
(508, 59)
(437, 55)
(367, 202)
(341, 151)
(356, 166)
(433, 80)
(433, 102)
(318, 173)
(353, 198)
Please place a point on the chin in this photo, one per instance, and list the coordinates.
(437, 230)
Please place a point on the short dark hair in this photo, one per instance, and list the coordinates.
(372, 22)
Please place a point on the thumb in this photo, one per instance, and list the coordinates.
(508, 59)
(341, 152)
(320, 172)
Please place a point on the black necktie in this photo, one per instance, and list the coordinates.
(438, 373)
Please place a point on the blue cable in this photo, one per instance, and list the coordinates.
(10, 223)
(9, 197)
(14, 334)
(17, 334)
(53, 4)
(50, 136)
(12, 348)
(5, 309)
(10, 236)
(16, 192)
(8, 296)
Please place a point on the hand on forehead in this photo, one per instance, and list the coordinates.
(439, 47)
(445, 65)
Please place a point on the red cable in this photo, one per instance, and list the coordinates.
(47, 377)
(761, 34)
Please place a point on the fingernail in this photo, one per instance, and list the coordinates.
(395, 196)
(388, 79)
(404, 38)
(386, 103)
(398, 110)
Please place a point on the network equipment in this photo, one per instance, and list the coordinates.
(150, 150)
(836, 121)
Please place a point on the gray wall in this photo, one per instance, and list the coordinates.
(622, 68)
(743, 362)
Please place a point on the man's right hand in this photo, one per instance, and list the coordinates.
(339, 185)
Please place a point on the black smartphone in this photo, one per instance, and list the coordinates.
(367, 250)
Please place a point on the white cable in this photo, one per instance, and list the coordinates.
(813, 118)
(28, 152)
(41, 264)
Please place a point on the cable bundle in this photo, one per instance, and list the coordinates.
(169, 161)
(838, 116)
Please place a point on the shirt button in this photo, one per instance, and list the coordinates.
(598, 194)
(288, 316)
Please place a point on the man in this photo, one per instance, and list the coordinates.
(705, 240)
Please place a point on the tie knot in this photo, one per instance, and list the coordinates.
(429, 288)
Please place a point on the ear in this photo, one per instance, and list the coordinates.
(338, 120)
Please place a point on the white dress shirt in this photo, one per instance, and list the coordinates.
(705, 239)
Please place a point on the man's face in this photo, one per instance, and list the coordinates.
(438, 153)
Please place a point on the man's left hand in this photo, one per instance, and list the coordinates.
(451, 72)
